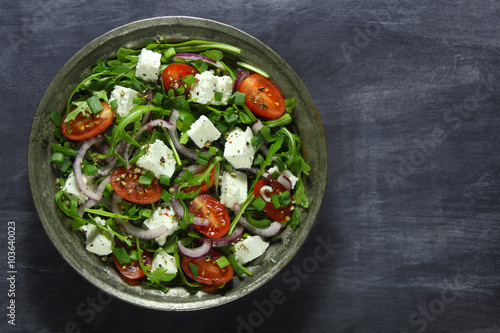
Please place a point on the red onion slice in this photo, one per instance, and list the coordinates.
(256, 127)
(198, 252)
(285, 181)
(177, 207)
(77, 167)
(194, 56)
(263, 194)
(229, 239)
(269, 231)
(200, 221)
(131, 229)
(242, 74)
(174, 115)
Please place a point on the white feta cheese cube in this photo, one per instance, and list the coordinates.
(249, 248)
(148, 65)
(159, 159)
(234, 188)
(286, 173)
(163, 260)
(72, 190)
(162, 216)
(98, 241)
(208, 85)
(203, 131)
(125, 98)
(238, 149)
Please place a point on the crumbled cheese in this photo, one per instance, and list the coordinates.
(163, 260)
(125, 98)
(162, 216)
(249, 248)
(98, 241)
(72, 190)
(159, 159)
(238, 149)
(208, 84)
(203, 131)
(148, 65)
(286, 173)
(234, 188)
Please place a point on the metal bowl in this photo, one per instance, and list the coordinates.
(43, 182)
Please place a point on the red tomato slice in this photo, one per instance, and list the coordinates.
(204, 186)
(125, 184)
(263, 97)
(207, 207)
(133, 270)
(173, 74)
(82, 128)
(209, 272)
(280, 214)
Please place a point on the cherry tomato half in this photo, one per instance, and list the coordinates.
(275, 188)
(263, 97)
(125, 184)
(173, 74)
(204, 186)
(207, 207)
(82, 128)
(132, 270)
(209, 272)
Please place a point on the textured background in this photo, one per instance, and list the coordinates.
(409, 94)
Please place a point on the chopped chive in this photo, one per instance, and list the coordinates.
(285, 197)
(56, 118)
(165, 196)
(146, 179)
(194, 269)
(121, 255)
(94, 104)
(57, 157)
(169, 53)
(212, 150)
(189, 79)
(90, 169)
(164, 180)
(218, 96)
(259, 204)
(180, 90)
(113, 104)
(222, 262)
(276, 201)
(239, 98)
(200, 65)
(203, 159)
(245, 119)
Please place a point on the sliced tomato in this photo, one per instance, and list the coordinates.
(263, 97)
(280, 214)
(204, 186)
(207, 207)
(82, 127)
(125, 184)
(209, 272)
(174, 73)
(132, 270)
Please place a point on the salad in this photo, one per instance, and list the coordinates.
(179, 164)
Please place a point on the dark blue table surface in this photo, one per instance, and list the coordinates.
(409, 95)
